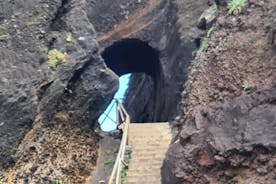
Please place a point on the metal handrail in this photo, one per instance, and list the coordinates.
(117, 169)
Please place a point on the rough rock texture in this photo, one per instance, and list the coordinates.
(142, 86)
(72, 96)
(227, 133)
(46, 114)
(170, 29)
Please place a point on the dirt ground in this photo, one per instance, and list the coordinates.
(240, 49)
(55, 153)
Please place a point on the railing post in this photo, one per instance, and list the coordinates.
(117, 112)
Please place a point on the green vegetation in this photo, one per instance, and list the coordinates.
(235, 6)
(216, 7)
(124, 172)
(109, 162)
(52, 63)
(245, 85)
(55, 57)
(69, 37)
(109, 152)
(2, 181)
(58, 181)
(205, 40)
(81, 38)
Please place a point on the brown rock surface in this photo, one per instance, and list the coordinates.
(224, 129)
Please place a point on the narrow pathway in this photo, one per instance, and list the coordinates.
(107, 155)
(149, 143)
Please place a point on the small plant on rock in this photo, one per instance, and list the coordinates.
(81, 38)
(124, 172)
(205, 40)
(69, 37)
(55, 57)
(216, 8)
(109, 162)
(245, 85)
(235, 6)
(58, 181)
(2, 181)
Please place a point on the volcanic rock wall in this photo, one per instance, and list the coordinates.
(173, 39)
(226, 133)
(227, 128)
(47, 114)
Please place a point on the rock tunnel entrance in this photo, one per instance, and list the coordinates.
(131, 56)
(136, 57)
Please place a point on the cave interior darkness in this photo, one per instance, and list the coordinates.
(129, 56)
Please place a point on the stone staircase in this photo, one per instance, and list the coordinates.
(149, 143)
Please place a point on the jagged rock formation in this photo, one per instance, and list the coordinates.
(161, 26)
(47, 114)
(227, 133)
(53, 104)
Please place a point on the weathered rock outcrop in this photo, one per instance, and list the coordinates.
(53, 104)
(46, 114)
(227, 128)
(163, 26)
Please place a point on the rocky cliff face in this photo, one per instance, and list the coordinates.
(227, 127)
(172, 37)
(47, 114)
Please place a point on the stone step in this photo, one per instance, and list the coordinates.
(145, 140)
(145, 165)
(152, 132)
(156, 149)
(144, 150)
(151, 124)
(154, 146)
(143, 179)
(150, 138)
(146, 144)
(138, 182)
(143, 170)
(151, 155)
(148, 159)
(142, 135)
(146, 168)
(138, 130)
(153, 149)
(135, 182)
(156, 133)
(144, 162)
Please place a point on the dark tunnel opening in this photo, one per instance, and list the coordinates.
(131, 56)
(142, 61)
